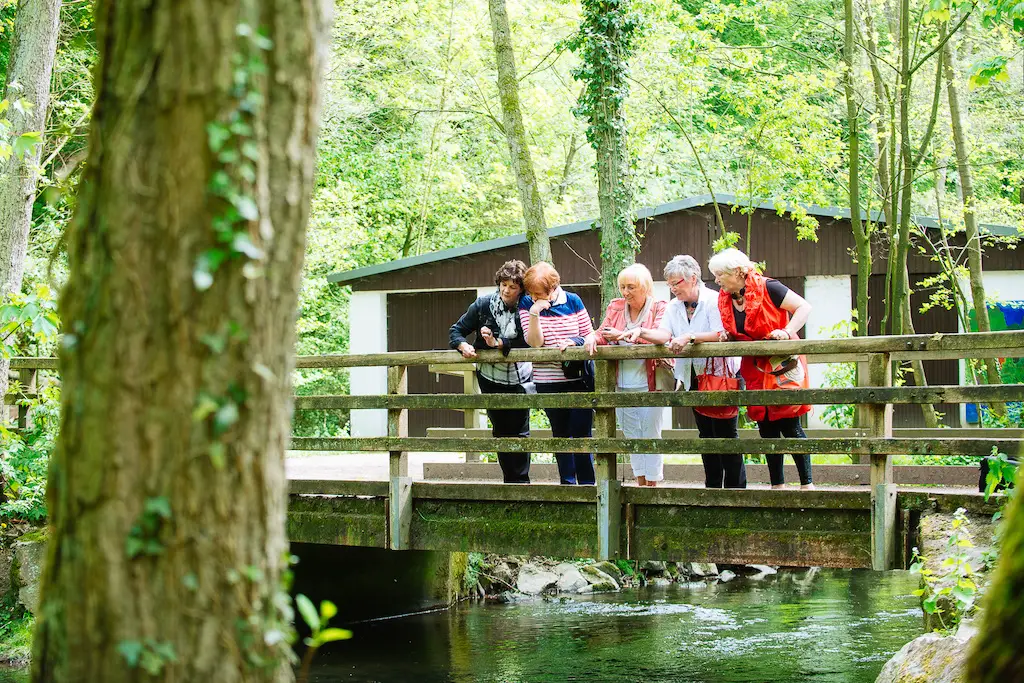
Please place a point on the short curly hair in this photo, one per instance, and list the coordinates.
(513, 270)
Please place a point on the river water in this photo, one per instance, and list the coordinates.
(825, 625)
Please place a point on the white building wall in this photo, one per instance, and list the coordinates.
(368, 322)
(830, 297)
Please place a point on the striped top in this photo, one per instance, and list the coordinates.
(566, 318)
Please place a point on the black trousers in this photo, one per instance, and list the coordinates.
(515, 467)
(788, 427)
(721, 470)
(573, 468)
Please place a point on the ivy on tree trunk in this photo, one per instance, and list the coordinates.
(167, 494)
(606, 40)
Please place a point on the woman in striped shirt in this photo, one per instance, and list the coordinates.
(554, 318)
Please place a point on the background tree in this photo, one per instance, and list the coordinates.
(167, 494)
(515, 133)
(26, 96)
(607, 37)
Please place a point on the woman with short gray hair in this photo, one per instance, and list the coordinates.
(692, 317)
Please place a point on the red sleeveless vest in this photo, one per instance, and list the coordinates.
(763, 316)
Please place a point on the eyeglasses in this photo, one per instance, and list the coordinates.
(676, 283)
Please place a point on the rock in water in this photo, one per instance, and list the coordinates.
(534, 580)
(931, 658)
(571, 581)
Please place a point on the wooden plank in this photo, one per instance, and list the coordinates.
(883, 490)
(609, 505)
(967, 345)
(27, 379)
(335, 487)
(400, 513)
(866, 446)
(20, 363)
(898, 432)
(398, 422)
(842, 475)
(864, 395)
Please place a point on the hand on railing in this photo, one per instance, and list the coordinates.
(467, 350)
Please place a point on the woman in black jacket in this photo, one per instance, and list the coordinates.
(495, 320)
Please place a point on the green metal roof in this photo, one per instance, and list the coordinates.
(648, 212)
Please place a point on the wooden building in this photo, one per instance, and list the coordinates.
(410, 303)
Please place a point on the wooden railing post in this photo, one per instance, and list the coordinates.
(883, 490)
(27, 378)
(609, 490)
(400, 484)
(471, 416)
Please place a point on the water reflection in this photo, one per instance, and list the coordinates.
(802, 625)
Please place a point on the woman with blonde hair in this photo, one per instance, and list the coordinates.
(623, 321)
(754, 308)
(554, 318)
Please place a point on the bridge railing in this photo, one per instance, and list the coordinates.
(875, 397)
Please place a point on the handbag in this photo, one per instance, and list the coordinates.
(580, 369)
(727, 381)
(664, 376)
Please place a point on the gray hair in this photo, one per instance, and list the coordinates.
(684, 266)
(730, 260)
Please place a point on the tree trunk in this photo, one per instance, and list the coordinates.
(31, 65)
(167, 494)
(608, 36)
(515, 133)
(957, 121)
(860, 234)
(995, 651)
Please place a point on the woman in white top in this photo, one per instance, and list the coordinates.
(692, 317)
(622, 323)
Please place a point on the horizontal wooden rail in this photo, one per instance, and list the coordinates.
(962, 345)
(866, 395)
(867, 446)
(812, 433)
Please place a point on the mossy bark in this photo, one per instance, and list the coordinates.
(995, 657)
(144, 346)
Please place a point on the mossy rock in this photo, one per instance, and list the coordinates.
(610, 569)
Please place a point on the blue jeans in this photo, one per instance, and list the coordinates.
(573, 468)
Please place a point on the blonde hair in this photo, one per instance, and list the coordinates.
(731, 260)
(638, 274)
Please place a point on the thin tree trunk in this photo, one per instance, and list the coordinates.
(570, 156)
(167, 495)
(860, 234)
(957, 121)
(515, 134)
(36, 26)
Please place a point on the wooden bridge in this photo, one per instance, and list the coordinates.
(870, 525)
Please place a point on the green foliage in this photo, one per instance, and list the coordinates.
(320, 632)
(145, 535)
(148, 654)
(950, 593)
(26, 455)
(26, 319)
(839, 376)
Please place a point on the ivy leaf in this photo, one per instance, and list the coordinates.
(218, 455)
(225, 416)
(243, 245)
(159, 506)
(308, 612)
(131, 650)
(330, 635)
(24, 143)
(247, 208)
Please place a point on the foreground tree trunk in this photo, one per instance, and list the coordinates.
(995, 654)
(515, 134)
(167, 495)
(28, 78)
(957, 122)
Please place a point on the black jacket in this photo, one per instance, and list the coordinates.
(479, 315)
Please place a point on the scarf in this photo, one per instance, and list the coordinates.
(504, 317)
(644, 312)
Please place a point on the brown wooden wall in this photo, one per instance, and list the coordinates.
(578, 257)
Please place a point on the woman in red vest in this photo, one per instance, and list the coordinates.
(754, 308)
